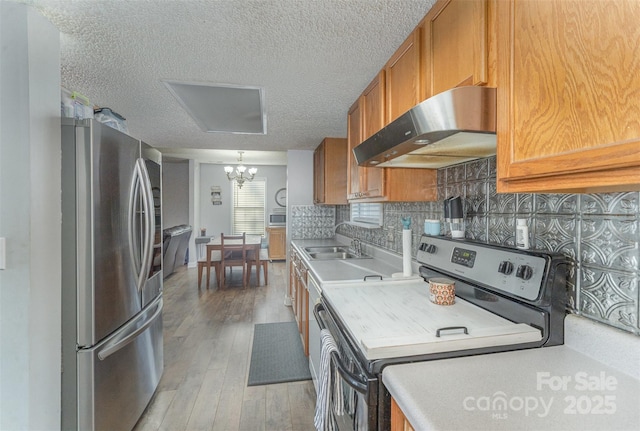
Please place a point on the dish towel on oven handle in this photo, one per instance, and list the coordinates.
(329, 386)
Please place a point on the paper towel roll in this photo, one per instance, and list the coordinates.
(406, 252)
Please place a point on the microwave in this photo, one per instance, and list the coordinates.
(277, 219)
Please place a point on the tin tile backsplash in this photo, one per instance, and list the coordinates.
(600, 232)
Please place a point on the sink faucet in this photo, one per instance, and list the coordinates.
(356, 245)
(335, 228)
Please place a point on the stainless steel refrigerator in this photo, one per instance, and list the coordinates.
(112, 354)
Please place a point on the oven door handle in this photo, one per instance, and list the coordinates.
(351, 379)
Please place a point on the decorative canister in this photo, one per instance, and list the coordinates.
(442, 291)
(432, 227)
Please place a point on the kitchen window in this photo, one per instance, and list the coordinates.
(366, 215)
(249, 207)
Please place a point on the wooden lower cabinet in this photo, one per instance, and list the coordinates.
(299, 297)
(304, 316)
(294, 263)
(277, 243)
(399, 422)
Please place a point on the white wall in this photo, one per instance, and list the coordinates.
(217, 218)
(299, 181)
(299, 177)
(186, 196)
(30, 291)
(299, 190)
(175, 193)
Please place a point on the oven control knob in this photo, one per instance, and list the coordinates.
(429, 248)
(524, 272)
(505, 267)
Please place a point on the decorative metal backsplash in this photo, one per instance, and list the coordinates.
(600, 232)
(312, 221)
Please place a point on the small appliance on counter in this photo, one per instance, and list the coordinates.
(454, 216)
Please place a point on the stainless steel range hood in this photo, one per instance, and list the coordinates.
(452, 127)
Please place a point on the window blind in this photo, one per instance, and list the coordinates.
(248, 207)
(367, 213)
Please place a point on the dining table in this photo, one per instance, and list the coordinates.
(252, 242)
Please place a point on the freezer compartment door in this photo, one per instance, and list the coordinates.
(117, 378)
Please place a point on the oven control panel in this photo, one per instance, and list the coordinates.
(512, 271)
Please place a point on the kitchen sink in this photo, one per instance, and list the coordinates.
(327, 249)
(332, 255)
(330, 252)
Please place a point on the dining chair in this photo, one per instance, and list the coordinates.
(233, 252)
(211, 258)
(263, 262)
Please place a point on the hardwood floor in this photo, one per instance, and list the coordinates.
(208, 335)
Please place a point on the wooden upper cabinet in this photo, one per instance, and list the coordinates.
(319, 174)
(403, 78)
(366, 116)
(456, 45)
(330, 172)
(373, 117)
(355, 174)
(568, 105)
(382, 184)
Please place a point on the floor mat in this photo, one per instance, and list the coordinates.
(277, 355)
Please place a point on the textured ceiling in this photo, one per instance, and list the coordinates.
(312, 57)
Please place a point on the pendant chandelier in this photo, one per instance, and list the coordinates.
(240, 170)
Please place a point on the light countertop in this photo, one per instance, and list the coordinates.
(548, 388)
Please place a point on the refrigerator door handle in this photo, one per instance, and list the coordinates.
(141, 186)
(133, 214)
(120, 342)
(149, 222)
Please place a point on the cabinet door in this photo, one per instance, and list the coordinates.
(399, 421)
(277, 243)
(568, 111)
(363, 183)
(318, 175)
(455, 45)
(379, 184)
(330, 172)
(402, 81)
(305, 318)
(372, 110)
(298, 294)
(293, 278)
(403, 78)
(355, 174)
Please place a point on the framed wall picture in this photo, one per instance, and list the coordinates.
(216, 195)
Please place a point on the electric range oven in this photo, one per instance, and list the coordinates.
(506, 299)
